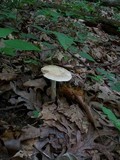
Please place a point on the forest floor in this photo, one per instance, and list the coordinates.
(83, 122)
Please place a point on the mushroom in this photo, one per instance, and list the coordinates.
(55, 74)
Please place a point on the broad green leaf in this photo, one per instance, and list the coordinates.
(111, 116)
(107, 74)
(21, 45)
(116, 86)
(87, 56)
(9, 51)
(11, 15)
(64, 40)
(96, 78)
(5, 32)
(73, 49)
(117, 124)
(53, 14)
(109, 113)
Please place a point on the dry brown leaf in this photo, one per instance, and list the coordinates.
(59, 118)
(73, 112)
(67, 156)
(27, 147)
(12, 146)
(107, 95)
(20, 155)
(31, 99)
(87, 143)
(4, 87)
(29, 132)
(77, 95)
(52, 118)
(7, 76)
(49, 112)
(37, 83)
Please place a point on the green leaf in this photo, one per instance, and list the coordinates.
(87, 56)
(50, 13)
(107, 74)
(21, 45)
(5, 32)
(109, 113)
(73, 49)
(81, 37)
(64, 40)
(116, 86)
(42, 29)
(36, 114)
(111, 116)
(32, 61)
(9, 51)
(97, 78)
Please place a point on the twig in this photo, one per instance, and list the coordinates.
(42, 152)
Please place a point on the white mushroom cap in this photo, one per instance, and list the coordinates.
(56, 73)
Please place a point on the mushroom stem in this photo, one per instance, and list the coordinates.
(53, 90)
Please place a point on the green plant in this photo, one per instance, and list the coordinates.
(107, 74)
(116, 86)
(97, 78)
(112, 79)
(111, 116)
(82, 53)
(36, 114)
(16, 3)
(49, 13)
(64, 40)
(5, 32)
(10, 46)
(32, 61)
(7, 14)
(79, 9)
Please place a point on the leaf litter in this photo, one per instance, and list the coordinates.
(74, 126)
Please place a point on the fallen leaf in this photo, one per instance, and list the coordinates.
(84, 145)
(12, 146)
(29, 132)
(7, 76)
(107, 95)
(30, 98)
(37, 83)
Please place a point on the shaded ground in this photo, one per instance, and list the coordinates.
(81, 124)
